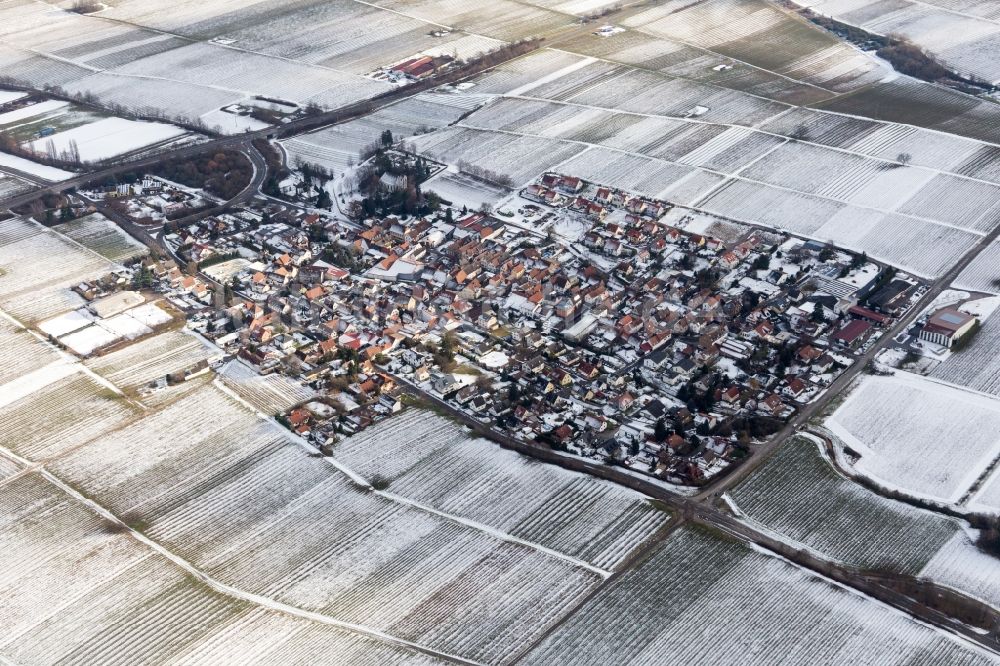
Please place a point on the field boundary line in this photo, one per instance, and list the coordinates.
(250, 597)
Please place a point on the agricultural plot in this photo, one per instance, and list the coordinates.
(925, 438)
(909, 101)
(977, 366)
(33, 290)
(430, 460)
(271, 394)
(742, 603)
(982, 273)
(61, 416)
(960, 564)
(645, 51)
(108, 137)
(228, 492)
(521, 158)
(762, 35)
(963, 36)
(622, 88)
(75, 590)
(98, 233)
(150, 359)
(338, 146)
(8, 467)
(11, 186)
(920, 246)
(798, 495)
(463, 190)
(21, 352)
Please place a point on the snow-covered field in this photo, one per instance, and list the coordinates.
(798, 495)
(925, 438)
(435, 462)
(964, 36)
(228, 492)
(37, 267)
(820, 186)
(271, 394)
(150, 359)
(110, 137)
(521, 158)
(11, 186)
(48, 173)
(336, 147)
(104, 237)
(60, 416)
(744, 607)
(76, 590)
(21, 352)
(750, 31)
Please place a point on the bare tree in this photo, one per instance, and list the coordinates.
(904, 158)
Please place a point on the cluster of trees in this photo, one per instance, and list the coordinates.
(488, 175)
(911, 60)
(224, 174)
(69, 158)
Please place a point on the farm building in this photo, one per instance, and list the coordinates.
(946, 326)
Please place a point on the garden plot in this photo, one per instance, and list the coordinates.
(32, 289)
(150, 359)
(977, 366)
(61, 416)
(521, 158)
(742, 603)
(271, 394)
(799, 496)
(104, 237)
(463, 190)
(129, 325)
(21, 352)
(924, 438)
(449, 470)
(109, 137)
(224, 271)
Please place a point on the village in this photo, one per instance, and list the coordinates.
(590, 320)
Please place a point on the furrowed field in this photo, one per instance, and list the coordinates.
(77, 590)
(432, 461)
(35, 290)
(798, 494)
(742, 605)
(847, 181)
